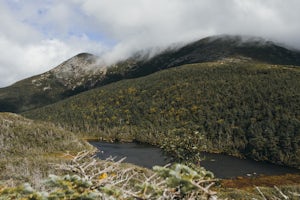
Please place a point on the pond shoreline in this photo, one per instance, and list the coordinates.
(231, 166)
(239, 156)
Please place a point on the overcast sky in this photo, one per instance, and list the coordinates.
(37, 35)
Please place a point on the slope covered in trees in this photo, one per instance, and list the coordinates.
(83, 72)
(27, 147)
(241, 108)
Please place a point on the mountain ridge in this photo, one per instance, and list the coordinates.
(85, 71)
(82, 70)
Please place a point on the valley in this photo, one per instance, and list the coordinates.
(241, 109)
(220, 94)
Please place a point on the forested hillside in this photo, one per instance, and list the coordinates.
(28, 147)
(240, 108)
(86, 71)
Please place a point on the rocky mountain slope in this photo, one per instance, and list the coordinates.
(83, 72)
(78, 73)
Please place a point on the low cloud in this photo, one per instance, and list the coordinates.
(20, 61)
(36, 35)
(138, 24)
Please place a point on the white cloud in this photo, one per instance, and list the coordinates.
(25, 49)
(137, 24)
(39, 34)
(21, 61)
(11, 27)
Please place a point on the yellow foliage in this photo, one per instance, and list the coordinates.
(194, 108)
(220, 121)
(132, 90)
(102, 176)
(152, 110)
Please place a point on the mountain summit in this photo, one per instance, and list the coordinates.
(83, 72)
(217, 48)
(78, 73)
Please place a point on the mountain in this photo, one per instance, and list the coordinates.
(217, 48)
(239, 107)
(209, 49)
(76, 72)
(83, 72)
(70, 77)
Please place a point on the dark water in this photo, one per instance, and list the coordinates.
(223, 166)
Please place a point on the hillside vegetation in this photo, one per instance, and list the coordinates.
(27, 147)
(88, 178)
(209, 49)
(24, 95)
(241, 108)
(77, 74)
(85, 71)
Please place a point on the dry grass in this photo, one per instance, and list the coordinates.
(27, 148)
(262, 181)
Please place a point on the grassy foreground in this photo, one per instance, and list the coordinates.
(31, 152)
(85, 177)
(27, 148)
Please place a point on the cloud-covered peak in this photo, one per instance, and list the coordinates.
(38, 34)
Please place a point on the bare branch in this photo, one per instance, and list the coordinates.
(260, 192)
(281, 193)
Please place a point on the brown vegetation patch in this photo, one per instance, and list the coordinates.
(262, 181)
